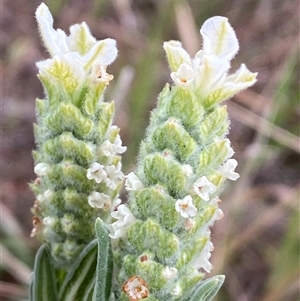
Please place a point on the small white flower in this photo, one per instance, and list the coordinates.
(99, 200)
(110, 149)
(124, 218)
(218, 214)
(48, 194)
(99, 74)
(184, 76)
(186, 207)
(177, 290)
(107, 148)
(202, 262)
(204, 188)
(133, 182)
(48, 221)
(114, 175)
(187, 169)
(227, 170)
(41, 169)
(96, 172)
(118, 145)
(169, 272)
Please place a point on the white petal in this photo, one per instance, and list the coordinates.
(204, 188)
(54, 40)
(133, 182)
(118, 145)
(184, 76)
(219, 38)
(186, 207)
(241, 79)
(124, 219)
(176, 55)
(202, 262)
(41, 169)
(99, 200)
(230, 152)
(96, 172)
(228, 170)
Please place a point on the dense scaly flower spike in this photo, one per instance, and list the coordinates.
(163, 245)
(77, 161)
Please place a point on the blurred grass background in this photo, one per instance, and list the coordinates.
(257, 244)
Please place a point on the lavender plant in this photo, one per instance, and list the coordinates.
(157, 246)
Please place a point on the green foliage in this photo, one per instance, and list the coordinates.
(104, 268)
(206, 289)
(43, 283)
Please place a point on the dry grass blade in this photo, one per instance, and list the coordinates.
(281, 288)
(266, 218)
(14, 266)
(268, 129)
(9, 290)
(187, 27)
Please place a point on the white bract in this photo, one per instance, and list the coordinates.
(207, 72)
(228, 170)
(124, 218)
(132, 182)
(186, 207)
(204, 188)
(80, 48)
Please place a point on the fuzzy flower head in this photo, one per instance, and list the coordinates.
(80, 41)
(207, 72)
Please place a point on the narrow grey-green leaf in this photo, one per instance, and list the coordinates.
(31, 285)
(43, 286)
(208, 288)
(104, 265)
(81, 277)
